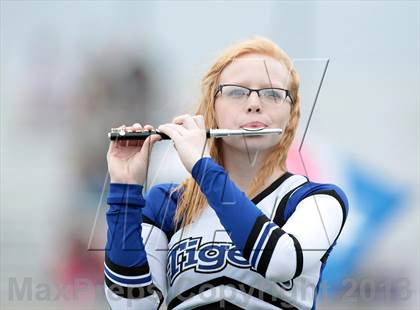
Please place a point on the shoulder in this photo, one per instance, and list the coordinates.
(311, 188)
(161, 203)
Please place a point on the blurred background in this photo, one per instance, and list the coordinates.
(71, 70)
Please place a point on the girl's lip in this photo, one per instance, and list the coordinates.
(254, 125)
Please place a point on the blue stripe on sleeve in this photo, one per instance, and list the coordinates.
(144, 280)
(259, 248)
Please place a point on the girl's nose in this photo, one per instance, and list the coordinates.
(253, 103)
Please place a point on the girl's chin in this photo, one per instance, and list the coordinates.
(250, 144)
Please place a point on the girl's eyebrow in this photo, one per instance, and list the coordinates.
(259, 86)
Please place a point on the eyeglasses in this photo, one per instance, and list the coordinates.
(240, 94)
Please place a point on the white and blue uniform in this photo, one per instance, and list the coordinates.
(264, 253)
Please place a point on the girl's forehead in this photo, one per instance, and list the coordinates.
(255, 69)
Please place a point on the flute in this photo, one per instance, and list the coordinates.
(120, 134)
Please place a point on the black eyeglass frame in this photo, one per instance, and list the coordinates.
(220, 89)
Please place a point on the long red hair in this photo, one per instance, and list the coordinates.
(192, 200)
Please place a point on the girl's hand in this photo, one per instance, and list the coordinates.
(189, 136)
(128, 159)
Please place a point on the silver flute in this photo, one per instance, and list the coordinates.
(121, 134)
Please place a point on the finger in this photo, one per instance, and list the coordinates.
(151, 140)
(199, 120)
(153, 137)
(148, 127)
(123, 143)
(171, 130)
(134, 127)
(185, 120)
(121, 127)
(178, 119)
(179, 128)
(136, 143)
(119, 143)
(137, 127)
(147, 146)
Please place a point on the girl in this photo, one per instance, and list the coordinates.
(242, 232)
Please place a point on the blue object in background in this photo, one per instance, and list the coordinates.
(373, 202)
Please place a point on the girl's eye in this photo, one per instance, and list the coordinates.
(235, 92)
(274, 93)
